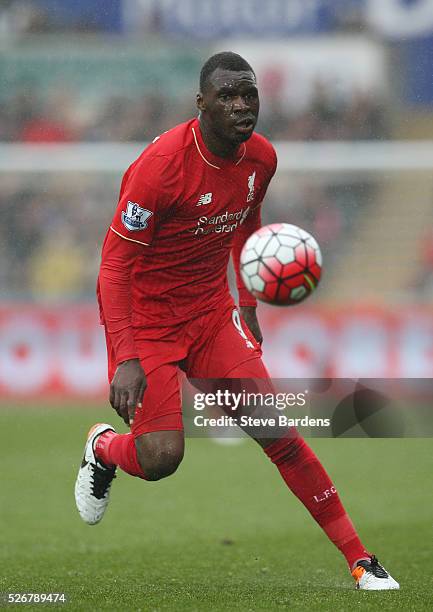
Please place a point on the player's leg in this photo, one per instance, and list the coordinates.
(152, 450)
(151, 456)
(233, 354)
(155, 447)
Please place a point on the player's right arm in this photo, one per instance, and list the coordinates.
(129, 382)
(141, 207)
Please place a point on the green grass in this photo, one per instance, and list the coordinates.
(224, 533)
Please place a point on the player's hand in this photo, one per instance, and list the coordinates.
(249, 315)
(127, 389)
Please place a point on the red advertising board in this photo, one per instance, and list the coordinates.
(61, 351)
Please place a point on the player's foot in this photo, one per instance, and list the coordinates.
(371, 576)
(92, 487)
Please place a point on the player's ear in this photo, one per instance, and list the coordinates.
(200, 102)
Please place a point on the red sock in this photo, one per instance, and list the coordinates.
(305, 476)
(119, 449)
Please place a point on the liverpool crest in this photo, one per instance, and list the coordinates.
(251, 179)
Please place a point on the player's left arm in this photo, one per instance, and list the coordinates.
(247, 302)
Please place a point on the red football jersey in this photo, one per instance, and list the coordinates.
(185, 209)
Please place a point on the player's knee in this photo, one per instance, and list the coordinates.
(165, 464)
(160, 455)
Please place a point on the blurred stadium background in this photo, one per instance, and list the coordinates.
(347, 98)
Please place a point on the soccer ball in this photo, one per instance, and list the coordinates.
(281, 264)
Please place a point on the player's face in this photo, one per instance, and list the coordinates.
(230, 105)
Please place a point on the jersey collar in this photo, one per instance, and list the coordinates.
(209, 158)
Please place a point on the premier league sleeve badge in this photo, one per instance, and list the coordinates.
(135, 218)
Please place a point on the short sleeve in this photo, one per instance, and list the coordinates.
(143, 202)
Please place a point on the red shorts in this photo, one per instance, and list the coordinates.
(215, 345)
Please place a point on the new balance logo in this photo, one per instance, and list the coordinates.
(206, 198)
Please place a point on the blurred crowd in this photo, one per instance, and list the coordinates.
(59, 117)
(51, 237)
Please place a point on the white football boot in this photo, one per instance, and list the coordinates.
(92, 487)
(371, 576)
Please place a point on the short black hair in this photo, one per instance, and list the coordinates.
(227, 60)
